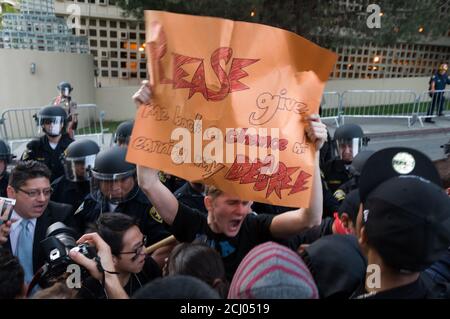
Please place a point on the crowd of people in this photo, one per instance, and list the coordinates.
(378, 224)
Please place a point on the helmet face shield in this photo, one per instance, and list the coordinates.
(51, 125)
(347, 149)
(66, 91)
(78, 169)
(115, 188)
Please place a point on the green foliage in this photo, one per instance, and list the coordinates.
(322, 21)
(6, 8)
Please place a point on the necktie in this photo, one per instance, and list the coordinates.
(24, 250)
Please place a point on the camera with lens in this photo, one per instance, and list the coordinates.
(59, 240)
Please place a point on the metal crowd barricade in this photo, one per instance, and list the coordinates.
(20, 125)
(331, 106)
(90, 122)
(379, 104)
(427, 99)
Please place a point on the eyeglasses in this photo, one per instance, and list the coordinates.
(137, 251)
(36, 192)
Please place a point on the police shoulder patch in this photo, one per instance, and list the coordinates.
(339, 195)
(154, 214)
(79, 209)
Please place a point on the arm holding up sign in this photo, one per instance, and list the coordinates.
(164, 201)
(282, 226)
(293, 222)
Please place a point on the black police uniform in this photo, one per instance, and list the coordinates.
(330, 203)
(345, 188)
(68, 192)
(139, 207)
(4, 184)
(41, 151)
(191, 197)
(335, 174)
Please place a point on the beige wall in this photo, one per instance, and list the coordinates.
(20, 88)
(116, 102)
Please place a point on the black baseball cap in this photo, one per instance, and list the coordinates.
(406, 212)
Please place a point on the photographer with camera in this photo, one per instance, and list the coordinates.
(63, 252)
(111, 280)
(33, 212)
(48, 148)
(127, 244)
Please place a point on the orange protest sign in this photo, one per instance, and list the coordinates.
(229, 106)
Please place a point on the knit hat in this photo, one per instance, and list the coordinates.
(272, 271)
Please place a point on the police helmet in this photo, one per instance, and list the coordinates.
(65, 88)
(78, 159)
(55, 117)
(348, 141)
(123, 132)
(5, 152)
(111, 176)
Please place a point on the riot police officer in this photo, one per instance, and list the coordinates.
(48, 148)
(5, 159)
(65, 101)
(123, 133)
(348, 140)
(355, 170)
(78, 159)
(114, 188)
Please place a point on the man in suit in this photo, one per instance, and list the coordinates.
(29, 185)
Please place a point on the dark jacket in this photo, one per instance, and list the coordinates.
(55, 212)
(191, 197)
(41, 151)
(336, 174)
(68, 192)
(4, 184)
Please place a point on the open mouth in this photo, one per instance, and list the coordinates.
(235, 223)
(39, 207)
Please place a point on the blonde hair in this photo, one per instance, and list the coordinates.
(212, 191)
